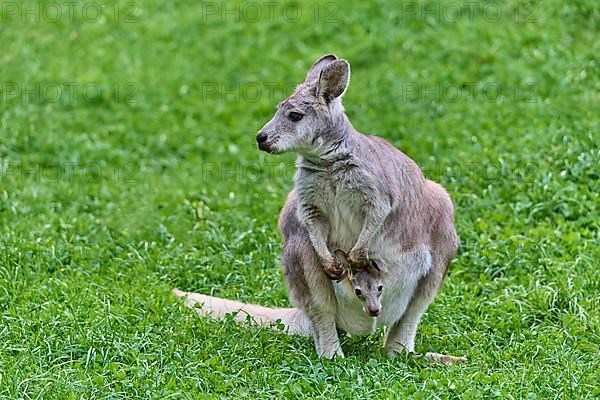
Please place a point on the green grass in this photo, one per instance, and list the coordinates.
(99, 199)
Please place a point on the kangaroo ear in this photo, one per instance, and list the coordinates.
(379, 266)
(315, 71)
(341, 257)
(334, 80)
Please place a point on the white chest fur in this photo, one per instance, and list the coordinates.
(344, 210)
(339, 195)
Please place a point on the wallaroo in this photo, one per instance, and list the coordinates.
(362, 196)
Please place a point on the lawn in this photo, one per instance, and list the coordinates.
(129, 167)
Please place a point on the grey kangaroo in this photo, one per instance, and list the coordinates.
(359, 194)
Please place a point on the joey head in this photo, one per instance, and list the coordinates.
(366, 280)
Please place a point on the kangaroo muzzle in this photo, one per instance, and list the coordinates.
(372, 309)
(264, 144)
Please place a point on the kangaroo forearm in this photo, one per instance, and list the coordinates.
(317, 231)
(318, 237)
(374, 219)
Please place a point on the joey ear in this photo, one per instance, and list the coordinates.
(334, 80)
(344, 275)
(315, 71)
(341, 257)
(379, 266)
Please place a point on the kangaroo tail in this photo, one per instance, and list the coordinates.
(294, 320)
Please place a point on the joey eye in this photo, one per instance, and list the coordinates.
(358, 292)
(380, 288)
(294, 116)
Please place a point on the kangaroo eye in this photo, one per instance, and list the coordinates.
(358, 292)
(294, 116)
(380, 288)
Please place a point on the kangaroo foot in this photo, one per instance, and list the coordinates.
(437, 358)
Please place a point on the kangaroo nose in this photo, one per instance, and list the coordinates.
(373, 312)
(261, 137)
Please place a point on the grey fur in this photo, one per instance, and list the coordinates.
(359, 194)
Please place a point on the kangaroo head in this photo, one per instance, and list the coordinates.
(308, 120)
(367, 282)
